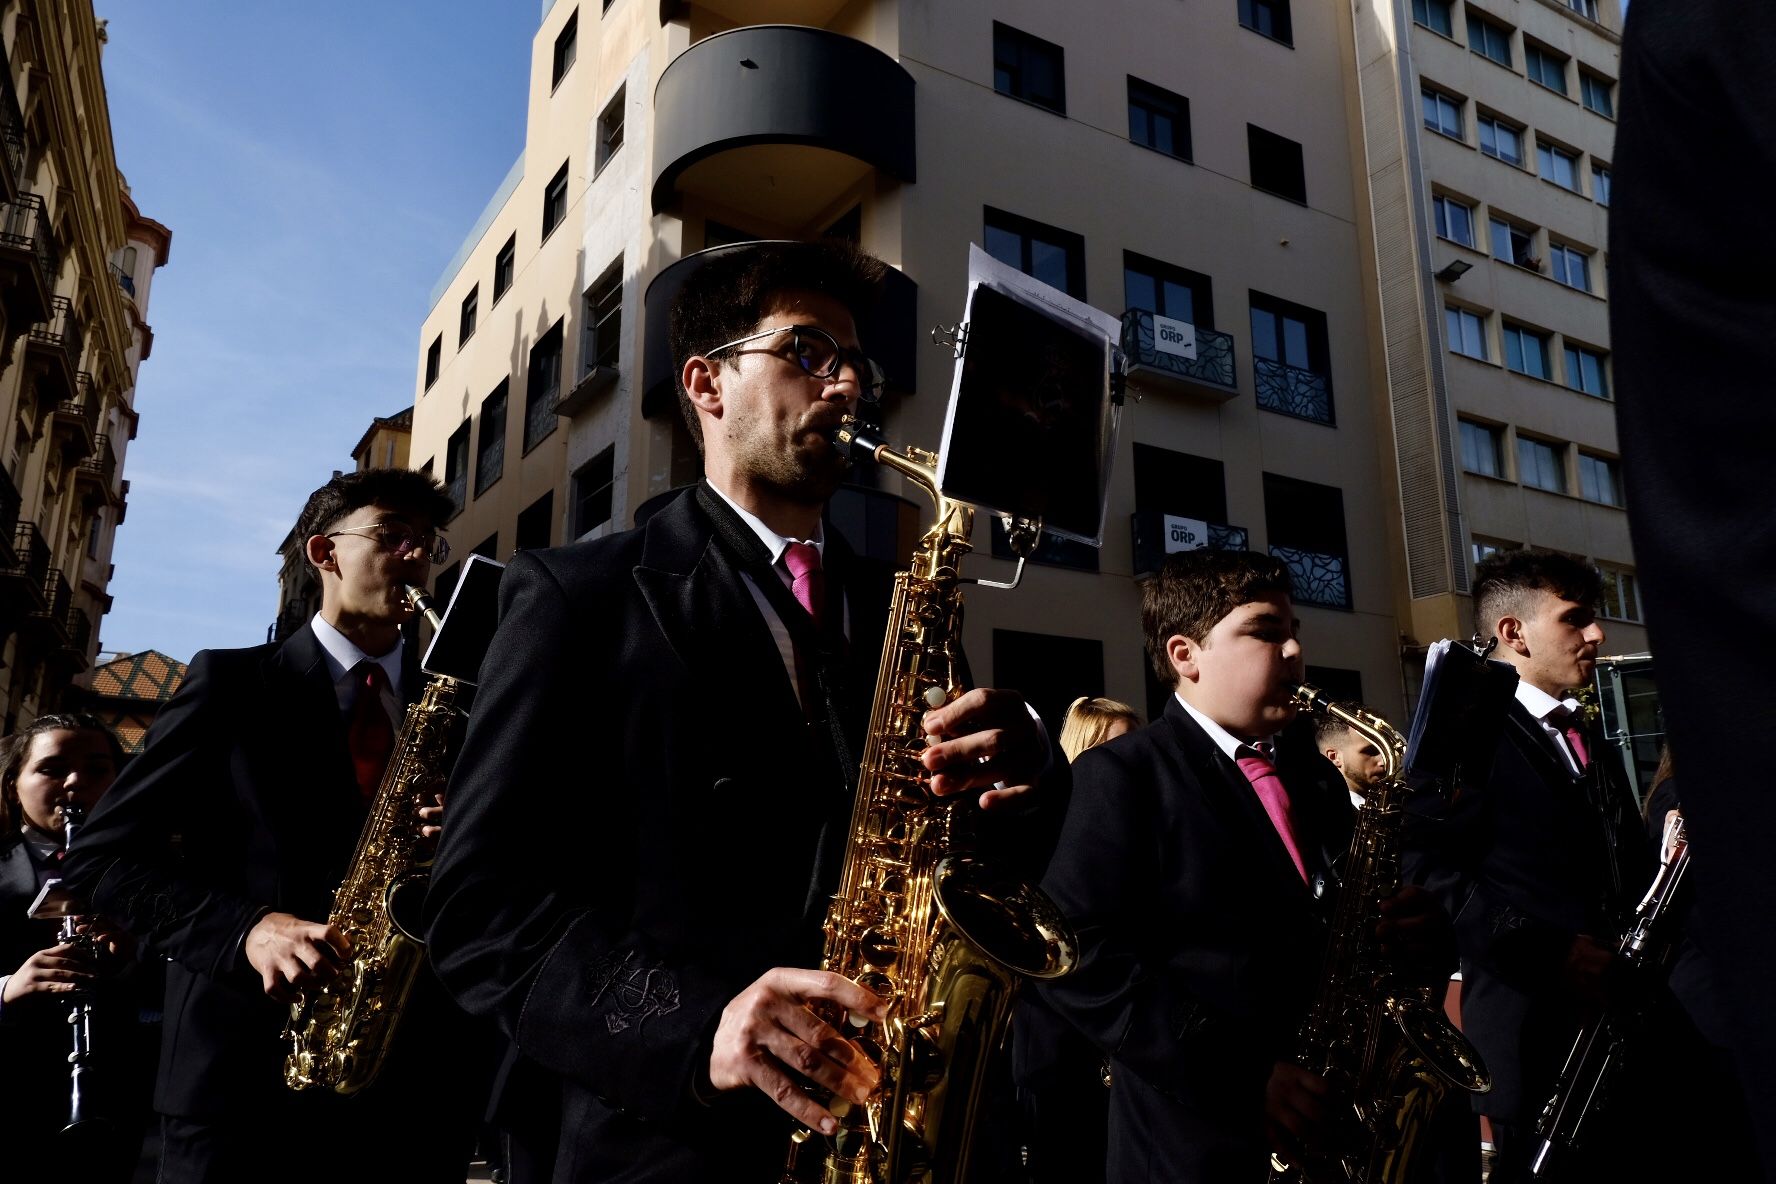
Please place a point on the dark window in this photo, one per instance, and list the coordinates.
(555, 201)
(1597, 92)
(1585, 372)
(536, 523)
(543, 390)
(1276, 164)
(1049, 671)
(1177, 483)
(465, 324)
(1159, 119)
(456, 466)
(610, 128)
(1526, 351)
(1435, 14)
(1442, 112)
(1167, 291)
(604, 319)
(1028, 68)
(1541, 465)
(504, 265)
(1054, 256)
(1513, 244)
(490, 457)
(434, 360)
(1482, 448)
(1291, 359)
(1600, 480)
(1489, 39)
(1305, 522)
(592, 484)
(1545, 67)
(1500, 139)
(1269, 17)
(1342, 686)
(488, 548)
(566, 47)
(444, 587)
(847, 226)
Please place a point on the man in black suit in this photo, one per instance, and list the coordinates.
(261, 765)
(1198, 865)
(1541, 864)
(651, 806)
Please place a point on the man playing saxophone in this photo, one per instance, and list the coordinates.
(706, 677)
(261, 765)
(1199, 864)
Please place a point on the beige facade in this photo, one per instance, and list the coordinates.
(1212, 163)
(77, 261)
(1487, 135)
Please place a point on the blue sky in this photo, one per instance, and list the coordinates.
(318, 164)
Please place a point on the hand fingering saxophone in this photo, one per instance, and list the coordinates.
(916, 920)
(1595, 1060)
(1384, 1045)
(339, 1035)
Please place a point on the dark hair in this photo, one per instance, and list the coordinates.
(405, 490)
(1193, 590)
(1503, 579)
(729, 295)
(14, 749)
(1327, 727)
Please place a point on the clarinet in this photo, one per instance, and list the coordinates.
(81, 1120)
(1596, 1056)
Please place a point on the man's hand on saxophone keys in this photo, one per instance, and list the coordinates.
(985, 739)
(292, 955)
(770, 1039)
(1297, 1104)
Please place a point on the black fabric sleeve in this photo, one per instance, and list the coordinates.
(122, 860)
(527, 913)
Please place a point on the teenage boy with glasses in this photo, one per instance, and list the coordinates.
(262, 765)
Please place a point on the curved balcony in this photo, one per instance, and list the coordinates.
(56, 344)
(778, 121)
(888, 333)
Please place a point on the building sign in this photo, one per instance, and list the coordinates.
(1174, 337)
(1185, 534)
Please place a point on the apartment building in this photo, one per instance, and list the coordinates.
(77, 261)
(1487, 134)
(1213, 165)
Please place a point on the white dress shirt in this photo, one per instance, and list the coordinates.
(1225, 740)
(342, 655)
(1541, 705)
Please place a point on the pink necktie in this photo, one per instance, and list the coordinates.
(1575, 739)
(1269, 788)
(807, 580)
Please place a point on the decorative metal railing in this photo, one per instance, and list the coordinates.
(1317, 578)
(1213, 363)
(1290, 390)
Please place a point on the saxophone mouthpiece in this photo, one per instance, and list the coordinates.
(856, 440)
(423, 604)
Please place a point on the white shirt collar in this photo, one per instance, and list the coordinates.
(775, 543)
(1226, 741)
(1540, 703)
(342, 653)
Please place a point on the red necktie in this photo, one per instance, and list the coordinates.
(1269, 788)
(370, 734)
(807, 581)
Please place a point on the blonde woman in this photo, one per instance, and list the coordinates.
(1093, 719)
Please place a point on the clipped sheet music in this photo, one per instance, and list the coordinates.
(1460, 716)
(468, 624)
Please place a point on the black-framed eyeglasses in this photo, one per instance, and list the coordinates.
(401, 539)
(820, 355)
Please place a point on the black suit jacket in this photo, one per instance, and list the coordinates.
(1523, 863)
(642, 822)
(248, 765)
(1200, 945)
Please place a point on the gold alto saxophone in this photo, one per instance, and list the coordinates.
(1385, 1045)
(941, 937)
(339, 1035)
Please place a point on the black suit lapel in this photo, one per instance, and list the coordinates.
(1224, 783)
(299, 689)
(1537, 746)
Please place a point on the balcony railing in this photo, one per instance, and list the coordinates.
(1211, 371)
(61, 330)
(1290, 390)
(27, 241)
(1157, 535)
(1316, 578)
(79, 632)
(10, 501)
(12, 130)
(78, 417)
(30, 557)
(125, 280)
(101, 467)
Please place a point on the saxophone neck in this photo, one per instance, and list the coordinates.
(947, 540)
(424, 605)
(1367, 724)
